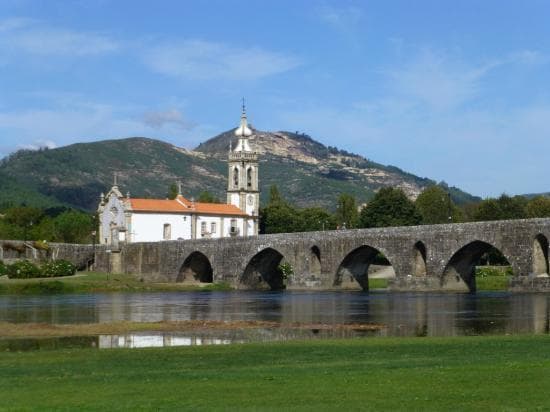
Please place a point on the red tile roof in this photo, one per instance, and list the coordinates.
(182, 205)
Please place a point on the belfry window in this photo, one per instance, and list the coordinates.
(249, 177)
(235, 177)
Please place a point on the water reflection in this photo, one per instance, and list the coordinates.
(403, 314)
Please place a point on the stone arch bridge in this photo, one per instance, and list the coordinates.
(430, 257)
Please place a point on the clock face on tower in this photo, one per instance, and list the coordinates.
(250, 200)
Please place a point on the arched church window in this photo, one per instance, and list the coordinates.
(249, 177)
(236, 177)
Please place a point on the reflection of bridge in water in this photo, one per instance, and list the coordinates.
(399, 314)
(435, 257)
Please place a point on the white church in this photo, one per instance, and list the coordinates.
(126, 219)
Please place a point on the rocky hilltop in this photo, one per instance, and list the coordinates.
(306, 172)
(318, 160)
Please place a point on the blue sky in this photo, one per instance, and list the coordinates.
(452, 90)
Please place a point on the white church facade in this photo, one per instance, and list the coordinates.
(126, 219)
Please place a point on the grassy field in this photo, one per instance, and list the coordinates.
(472, 373)
(95, 282)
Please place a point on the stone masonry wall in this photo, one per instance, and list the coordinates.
(79, 255)
(229, 257)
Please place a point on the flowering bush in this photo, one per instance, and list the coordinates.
(22, 269)
(58, 268)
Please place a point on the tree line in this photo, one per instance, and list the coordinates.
(58, 224)
(389, 207)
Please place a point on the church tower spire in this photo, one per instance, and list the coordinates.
(243, 132)
(242, 185)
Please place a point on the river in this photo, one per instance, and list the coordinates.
(399, 314)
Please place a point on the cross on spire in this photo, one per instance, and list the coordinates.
(244, 107)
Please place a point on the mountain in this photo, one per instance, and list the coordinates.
(306, 172)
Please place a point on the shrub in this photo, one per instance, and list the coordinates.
(58, 268)
(41, 245)
(2, 268)
(286, 270)
(485, 271)
(22, 269)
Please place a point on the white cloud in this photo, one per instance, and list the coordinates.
(437, 81)
(159, 119)
(39, 144)
(528, 57)
(341, 18)
(33, 37)
(68, 120)
(14, 23)
(202, 60)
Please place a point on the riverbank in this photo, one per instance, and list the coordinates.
(42, 330)
(471, 373)
(90, 282)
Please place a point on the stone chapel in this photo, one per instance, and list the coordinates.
(126, 219)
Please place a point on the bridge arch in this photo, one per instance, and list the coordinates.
(355, 266)
(314, 260)
(459, 273)
(419, 259)
(196, 268)
(263, 271)
(540, 255)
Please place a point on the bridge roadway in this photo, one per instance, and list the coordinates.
(424, 258)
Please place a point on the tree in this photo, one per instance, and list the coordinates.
(23, 216)
(505, 207)
(316, 218)
(278, 216)
(274, 195)
(435, 205)
(538, 207)
(73, 227)
(346, 211)
(19, 222)
(389, 207)
(172, 191)
(207, 197)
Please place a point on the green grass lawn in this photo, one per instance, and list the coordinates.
(467, 373)
(95, 282)
(492, 283)
(378, 283)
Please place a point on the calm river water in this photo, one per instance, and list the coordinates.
(401, 314)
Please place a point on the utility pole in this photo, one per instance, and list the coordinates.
(450, 211)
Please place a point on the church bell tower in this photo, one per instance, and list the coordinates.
(242, 184)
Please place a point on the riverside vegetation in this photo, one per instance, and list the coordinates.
(89, 282)
(458, 373)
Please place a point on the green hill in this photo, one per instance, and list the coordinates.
(307, 172)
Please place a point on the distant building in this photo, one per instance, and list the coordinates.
(126, 219)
